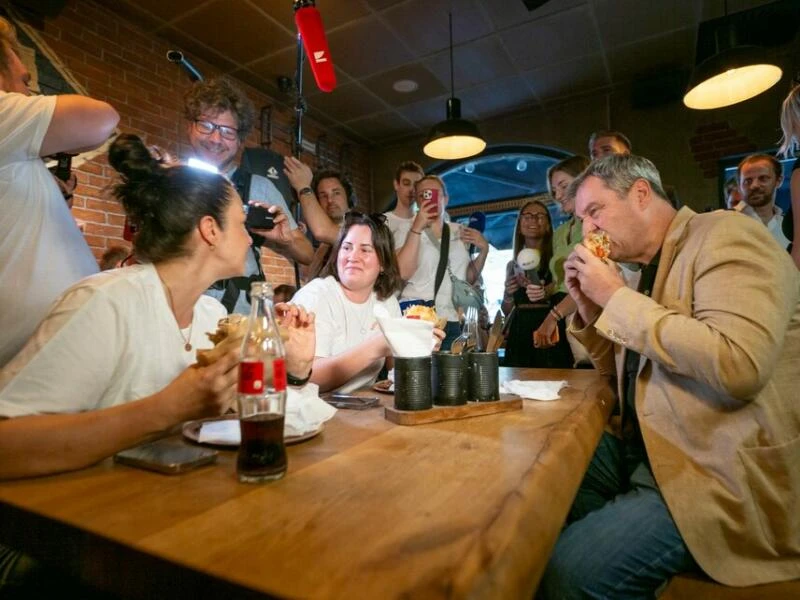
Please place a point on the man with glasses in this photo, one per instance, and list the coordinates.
(219, 118)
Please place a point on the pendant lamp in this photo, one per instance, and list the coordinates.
(733, 74)
(454, 137)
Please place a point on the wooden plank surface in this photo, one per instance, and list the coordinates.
(466, 508)
(451, 413)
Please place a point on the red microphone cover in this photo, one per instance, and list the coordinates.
(309, 24)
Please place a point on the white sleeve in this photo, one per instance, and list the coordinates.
(70, 361)
(24, 121)
(315, 297)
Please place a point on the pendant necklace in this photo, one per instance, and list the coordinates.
(187, 339)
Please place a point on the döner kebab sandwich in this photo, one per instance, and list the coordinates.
(425, 313)
(229, 335)
(599, 244)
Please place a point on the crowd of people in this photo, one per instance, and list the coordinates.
(695, 316)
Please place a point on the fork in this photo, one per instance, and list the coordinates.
(468, 340)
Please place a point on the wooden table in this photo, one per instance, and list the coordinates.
(368, 509)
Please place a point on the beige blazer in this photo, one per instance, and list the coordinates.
(718, 391)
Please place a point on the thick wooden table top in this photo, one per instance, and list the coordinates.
(368, 509)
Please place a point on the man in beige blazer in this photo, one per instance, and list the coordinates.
(704, 470)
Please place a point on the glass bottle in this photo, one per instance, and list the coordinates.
(262, 392)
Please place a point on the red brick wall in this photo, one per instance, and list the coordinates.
(117, 62)
(712, 141)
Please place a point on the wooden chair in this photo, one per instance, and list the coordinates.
(696, 587)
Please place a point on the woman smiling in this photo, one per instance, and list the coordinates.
(361, 274)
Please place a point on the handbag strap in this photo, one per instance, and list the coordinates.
(444, 251)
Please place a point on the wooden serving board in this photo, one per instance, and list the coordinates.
(451, 413)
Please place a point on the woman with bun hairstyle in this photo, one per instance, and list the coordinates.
(569, 233)
(113, 362)
(361, 274)
(528, 298)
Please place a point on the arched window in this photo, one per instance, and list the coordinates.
(497, 183)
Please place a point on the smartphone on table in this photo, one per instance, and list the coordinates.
(170, 456)
(351, 402)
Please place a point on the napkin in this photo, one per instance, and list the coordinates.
(535, 390)
(305, 412)
(406, 337)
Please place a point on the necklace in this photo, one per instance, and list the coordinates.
(187, 339)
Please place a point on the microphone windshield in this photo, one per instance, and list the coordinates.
(309, 24)
(477, 220)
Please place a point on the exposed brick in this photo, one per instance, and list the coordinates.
(712, 127)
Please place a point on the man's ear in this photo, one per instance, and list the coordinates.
(642, 193)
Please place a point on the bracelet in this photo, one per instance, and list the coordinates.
(417, 232)
(296, 381)
(304, 191)
(556, 314)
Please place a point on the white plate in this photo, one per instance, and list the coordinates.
(191, 430)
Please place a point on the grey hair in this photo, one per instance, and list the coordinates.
(619, 172)
(790, 122)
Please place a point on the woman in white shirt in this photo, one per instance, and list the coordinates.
(361, 274)
(112, 363)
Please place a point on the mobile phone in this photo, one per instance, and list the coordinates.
(352, 402)
(170, 456)
(430, 200)
(258, 217)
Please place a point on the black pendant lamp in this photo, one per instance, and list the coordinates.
(732, 75)
(454, 137)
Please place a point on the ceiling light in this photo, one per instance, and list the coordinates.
(454, 137)
(733, 74)
(405, 86)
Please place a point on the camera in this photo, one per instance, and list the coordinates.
(259, 217)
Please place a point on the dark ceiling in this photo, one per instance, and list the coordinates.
(506, 57)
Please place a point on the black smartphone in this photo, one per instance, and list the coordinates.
(170, 456)
(352, 402)
(258, 217)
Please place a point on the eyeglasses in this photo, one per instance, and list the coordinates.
(527, 217)
(208, 128)
(353, 216)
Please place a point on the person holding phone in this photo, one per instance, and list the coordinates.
(419, 250)
(530, 296)
(42, 252)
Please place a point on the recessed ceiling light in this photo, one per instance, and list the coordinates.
(405, 86)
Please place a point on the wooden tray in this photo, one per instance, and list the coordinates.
(451, 413)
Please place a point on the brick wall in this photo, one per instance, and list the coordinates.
(713, 141)
(117, 62)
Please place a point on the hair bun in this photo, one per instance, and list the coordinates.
(131, 158)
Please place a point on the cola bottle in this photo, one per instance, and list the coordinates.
(262, 392)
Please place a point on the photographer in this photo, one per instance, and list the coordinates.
(42, 252)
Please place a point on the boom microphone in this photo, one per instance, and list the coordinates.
(177, 57)
(309, 25)
(477, 220)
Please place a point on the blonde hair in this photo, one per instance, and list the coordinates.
(8, 43)
(435, 178)
(790, 122)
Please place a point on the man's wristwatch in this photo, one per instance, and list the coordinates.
(304, 191)
(296, 381)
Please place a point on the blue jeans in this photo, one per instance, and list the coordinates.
(620, 540)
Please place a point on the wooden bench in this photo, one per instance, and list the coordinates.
(695, 587)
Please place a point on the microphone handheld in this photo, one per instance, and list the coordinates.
(309, 25)
(477, 220)
(528, 260)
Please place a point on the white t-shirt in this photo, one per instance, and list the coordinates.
(422, 282)
(343, 324)
(42, 252)
(110, 339)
